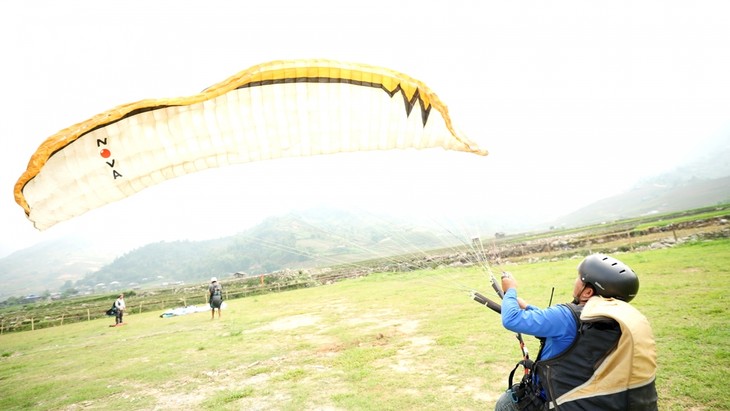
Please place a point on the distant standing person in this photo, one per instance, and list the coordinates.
(121, 306)
(215, 297)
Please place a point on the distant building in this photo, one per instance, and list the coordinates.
(31, 298)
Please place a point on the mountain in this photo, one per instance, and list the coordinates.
(49, 265)
(296, 240)
(703, 181)
(651, 199)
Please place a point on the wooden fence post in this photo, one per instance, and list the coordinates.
(62, 318)
(32, 324)
(88, 315)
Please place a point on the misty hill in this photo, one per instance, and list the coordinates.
(703, 181)
(296, 240)
(651, 199)
(49, 265)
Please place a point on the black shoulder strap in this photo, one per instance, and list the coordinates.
(576, 310)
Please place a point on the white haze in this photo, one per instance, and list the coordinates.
(575, 101)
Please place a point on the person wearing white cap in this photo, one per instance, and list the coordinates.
(215, 297)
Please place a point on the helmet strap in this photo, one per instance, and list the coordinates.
(579, 298)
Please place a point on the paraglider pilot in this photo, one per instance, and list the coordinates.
(215, 297)
(597, 352)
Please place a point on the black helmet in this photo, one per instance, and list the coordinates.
(609, 277)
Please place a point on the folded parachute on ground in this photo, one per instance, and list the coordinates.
(274, 110)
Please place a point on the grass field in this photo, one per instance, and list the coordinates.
(395, 341)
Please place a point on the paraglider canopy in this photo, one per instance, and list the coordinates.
(273, 110)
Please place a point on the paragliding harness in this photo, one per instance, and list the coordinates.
(217, 292)
(112, 311)
(525, 394)
(216, 297)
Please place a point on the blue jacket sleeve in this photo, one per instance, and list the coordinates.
(550, 322)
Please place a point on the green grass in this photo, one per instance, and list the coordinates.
(391, 341)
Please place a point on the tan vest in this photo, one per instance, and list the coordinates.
(611, 365)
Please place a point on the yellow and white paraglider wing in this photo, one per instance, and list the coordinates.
(274, 110)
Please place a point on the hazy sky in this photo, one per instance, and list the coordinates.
(574, 100)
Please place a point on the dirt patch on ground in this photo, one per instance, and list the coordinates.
(381, 327)
(316, 336)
